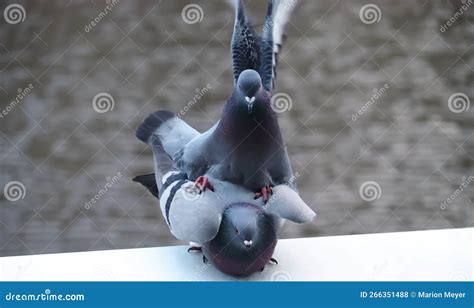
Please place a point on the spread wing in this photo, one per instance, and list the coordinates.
(267, 62)
(273, 36)
(245, 43)
(250, 51)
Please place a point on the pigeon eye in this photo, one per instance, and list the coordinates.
(237, 231)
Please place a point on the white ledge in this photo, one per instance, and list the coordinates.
(440, 255)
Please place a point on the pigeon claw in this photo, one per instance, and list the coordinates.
(202, 183)
(195, 249)
(273, 261)
(264, 193)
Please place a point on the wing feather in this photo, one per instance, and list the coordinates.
(245, 43)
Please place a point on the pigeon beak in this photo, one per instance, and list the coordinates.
(248, 243)
(250, 101)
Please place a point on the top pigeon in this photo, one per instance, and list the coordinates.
(246, 146)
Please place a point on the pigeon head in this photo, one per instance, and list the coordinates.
(245, 241)
(248, 84)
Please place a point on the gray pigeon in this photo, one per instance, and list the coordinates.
(192, 211)
(237, 232)
(245, 147)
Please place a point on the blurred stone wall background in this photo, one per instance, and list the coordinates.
(375, 113)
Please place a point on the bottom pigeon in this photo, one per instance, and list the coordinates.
(238, 233)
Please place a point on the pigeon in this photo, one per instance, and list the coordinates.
(245, 146)
(235, 231)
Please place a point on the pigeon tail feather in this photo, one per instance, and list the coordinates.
(152, 123)
(149, 181)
